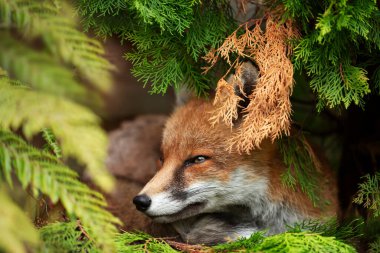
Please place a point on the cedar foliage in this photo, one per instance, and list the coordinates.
(169, 36)
(268, 113)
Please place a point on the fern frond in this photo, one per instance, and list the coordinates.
(44, 173)
(369, 193)
(57, 28)
(51, 143)
(76, 127)
(16, 229)
(38, 69)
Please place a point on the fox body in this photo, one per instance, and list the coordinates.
(210, 195)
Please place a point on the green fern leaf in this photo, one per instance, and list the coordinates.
(51, 143)
(57, 28)
(44, 173)
(76, 127)
(16, 228)
(38, 69)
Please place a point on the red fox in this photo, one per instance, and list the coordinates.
(210, 195)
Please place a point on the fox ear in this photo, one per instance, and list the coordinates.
(183, 95)
(244, 82)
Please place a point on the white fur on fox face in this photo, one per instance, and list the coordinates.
(239, 190)
(164, 204)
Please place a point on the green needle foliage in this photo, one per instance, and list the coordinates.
(338, 48)
(342, 231)
(242, 243)
(301, 242)
(169, 36)
(285, 242)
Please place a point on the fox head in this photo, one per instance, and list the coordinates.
(196, 174)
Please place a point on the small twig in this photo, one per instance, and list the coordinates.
(82, 230)
(188, 247)
(342, 74)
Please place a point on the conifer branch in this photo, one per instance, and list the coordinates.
(169, 37)
(369, 193)
(302, 167)
(170, 15)
(335, 76)
(302, 242)
(284, 243)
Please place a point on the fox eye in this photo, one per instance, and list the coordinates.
(200, 159)
(196, 160)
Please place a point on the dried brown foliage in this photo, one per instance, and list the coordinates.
(225, 104)
(269, 110)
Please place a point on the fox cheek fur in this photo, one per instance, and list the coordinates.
(210, 195)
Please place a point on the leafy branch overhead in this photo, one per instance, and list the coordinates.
(342, 50)
(369, 194)
(169, 37)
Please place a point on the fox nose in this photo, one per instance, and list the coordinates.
(142, 202)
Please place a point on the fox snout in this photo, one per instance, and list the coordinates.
(142, 202)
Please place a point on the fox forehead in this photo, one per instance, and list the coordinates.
(189, 132)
